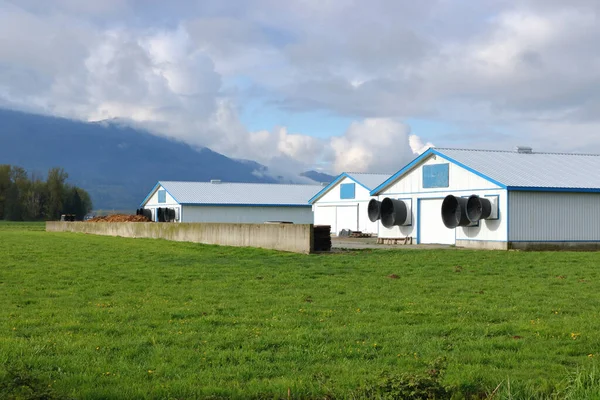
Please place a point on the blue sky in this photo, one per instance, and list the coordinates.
(331, 84)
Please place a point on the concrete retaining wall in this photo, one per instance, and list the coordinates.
(297, 238)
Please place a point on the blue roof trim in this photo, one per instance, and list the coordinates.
(398, 174)
(333, 183)
(487, 178)
(423, 156)
(245, 205)
(552, 189)
(158, 184)
(150, 194)
(357, 181)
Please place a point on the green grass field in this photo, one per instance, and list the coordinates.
(100, 317)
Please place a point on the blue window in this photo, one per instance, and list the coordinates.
(162, 196)
(347, 191)
(435, 176)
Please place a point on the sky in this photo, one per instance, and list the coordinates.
(332, 85)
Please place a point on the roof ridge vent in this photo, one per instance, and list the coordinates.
(524, 149)
(215, 181)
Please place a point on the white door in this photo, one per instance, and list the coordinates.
(431, 226)
(325, 215)
(347, 218)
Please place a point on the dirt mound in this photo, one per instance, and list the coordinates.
(120, 218)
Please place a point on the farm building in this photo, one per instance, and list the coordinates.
(493, 199)
(343, 203)
(222, 202)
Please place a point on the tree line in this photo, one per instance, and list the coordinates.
(28, 197)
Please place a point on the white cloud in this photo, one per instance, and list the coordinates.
(373, 145)
(417, 146)
(183, 70)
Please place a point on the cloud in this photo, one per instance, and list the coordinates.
(417, 146)
(170, 82)
(523, 71)
(373, 145)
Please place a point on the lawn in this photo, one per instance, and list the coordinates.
(97, 317)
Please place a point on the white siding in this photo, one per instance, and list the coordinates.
(551, 216)
(359, 221)
(461, 182)
(152, 204)
(459, 179)
(364, 223)
(153, 200)
(247, 215)
(333, 194)
(432, 228)
(326, 216)
(347, 217)
(488, 230)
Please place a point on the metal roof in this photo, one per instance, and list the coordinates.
(370, 181)
(520, 170)
(539, 170)
(366, 180)
(243, 194)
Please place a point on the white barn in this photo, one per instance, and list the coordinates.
(494, 199)
(222, 202)
(343, 203)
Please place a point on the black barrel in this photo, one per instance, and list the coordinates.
(393, 212)
(478, 208)
(147, 213)
(374, 210)
(454, 212)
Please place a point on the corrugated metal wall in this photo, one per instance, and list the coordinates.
(551, 216)
(247, 215)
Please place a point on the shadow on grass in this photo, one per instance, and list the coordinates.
(19, 382)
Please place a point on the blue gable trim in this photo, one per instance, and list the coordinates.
(425, 155)
(150, 194)
(487, 178)
(332, 184)
(158, 184)
(400, 173)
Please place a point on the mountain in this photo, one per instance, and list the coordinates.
(117, 165)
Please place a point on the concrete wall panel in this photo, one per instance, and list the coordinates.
(286, 237)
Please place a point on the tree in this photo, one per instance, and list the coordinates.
(5, 184)
(86, 201)
(31, 198)
(56, 192)
(15, 198)
(12, 205)
(73, 203)
(34, 199)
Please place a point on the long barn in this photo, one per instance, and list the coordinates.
(225, 202)
(493, 199)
